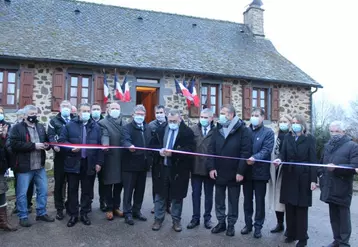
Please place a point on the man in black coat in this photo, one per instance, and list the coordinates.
(54, 131)
(134, 165)
(258, 173)
(231, 138)
(81, 165)
(337, 184)
(172, 170)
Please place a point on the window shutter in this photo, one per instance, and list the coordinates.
(99, 91)
(26, 88)
(247, 104)
(58, 89)
(226, 94)
(275, 114)
(193, 110)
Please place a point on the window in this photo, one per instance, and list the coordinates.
(144, 80)
(259, 98)
(209, 97)
(80, 89)
(8, 88)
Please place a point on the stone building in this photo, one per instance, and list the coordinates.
(55, 50)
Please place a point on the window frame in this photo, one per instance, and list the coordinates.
(79, 88)
(5, 85)
(268, 99)
(208, 95)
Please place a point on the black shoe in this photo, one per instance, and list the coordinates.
(59, 215)
(289, 240)
(193, 224)
(25, 222)
(177, 226)
(246, 230)
(208, 224)
(333, 244)
(278, 228)
(301, 243)
(230, 231)
(129, 220)
(73, 221)
(257, 233)
(85, 220)
(221, 227)
(45, 218)
(157, 225)
(103, 206)
(140, 217)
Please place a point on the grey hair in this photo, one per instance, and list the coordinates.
(208, 111)
(65, 102)
(20, 112)
(29, 108)
(339, 124)
(230, 108)
(174, 112)
(139, 108)
(84, 104)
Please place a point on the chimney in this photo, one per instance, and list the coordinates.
(254, 18)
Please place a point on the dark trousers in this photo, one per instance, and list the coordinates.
(296, 222)
(134, 187)
(197, 182)
(233, 205)
(340, 217)
(280, 217)
(60, 183)
(30, 191)
(113, 196)
(2, 199)
(257, 187)
(74, 180)
(101, 189)
(168, 200)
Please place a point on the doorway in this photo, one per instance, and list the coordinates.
(147, 96)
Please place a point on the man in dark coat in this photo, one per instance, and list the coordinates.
(257, 173)
(111, 127)
(203, 132)
(54, 131)
(81, 165)
(134, 165)
(337, 184)
(172, 170)
(230, 138)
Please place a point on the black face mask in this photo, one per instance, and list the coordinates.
(32, 119)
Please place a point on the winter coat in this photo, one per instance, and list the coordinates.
(337, 185)
(72, 133)
(296, 179)
(181, 164)
(111, 136)
(202, 146)
(3, 166)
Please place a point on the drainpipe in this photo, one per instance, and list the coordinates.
(311, 111)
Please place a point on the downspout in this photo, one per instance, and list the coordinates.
(311, 110)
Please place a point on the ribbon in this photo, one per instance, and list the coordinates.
(97, 146)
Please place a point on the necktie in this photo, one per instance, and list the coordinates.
(84, 133)
(170, 146)
(205, 129)
(67, 120)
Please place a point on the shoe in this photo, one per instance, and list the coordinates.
(193, 224)
(109, 215)
(208, 224)
(301, 243)
(289, 240)
(118, 213)
(139, 216)
(25, 222)
(152, 211)
(333, 244)
(129, 220)
(157, 225)
(169, 211)
(177, 226)
(278, 228)
(59, 215)
(221, 227)
(257, 233)
(103, 206)
(45, 218)
(85, 220)
(73, 221)
(246, 230)
(4, 223)
(230, 231)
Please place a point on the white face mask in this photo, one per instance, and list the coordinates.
(160, 117)
(115, 113)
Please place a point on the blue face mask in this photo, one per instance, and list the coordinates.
(2, 116)
(65, 112)
(223, 119)
(96, 114)
(297, 128)
(283, 126)
(173, 126)
(115, 113)
(85, 116)
(204, 122)
(255, 121)
(138, 119)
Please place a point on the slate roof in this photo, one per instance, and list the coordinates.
(105, 35)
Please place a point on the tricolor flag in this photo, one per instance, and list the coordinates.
(184, 90)
(125, 89)
(194, 94)
(118, 89)
(105, 89)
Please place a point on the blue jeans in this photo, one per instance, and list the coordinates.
(160, 207)
(23, 182)
(197, 185)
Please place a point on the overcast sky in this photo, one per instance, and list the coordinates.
(319, 36)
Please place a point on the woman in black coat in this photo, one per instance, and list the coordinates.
(298, 181)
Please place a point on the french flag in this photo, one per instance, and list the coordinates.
(125, 89)
(183, 90)
(194, 93)
(118, 89)
(105, 89)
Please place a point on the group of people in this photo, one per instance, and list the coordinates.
(263, 154)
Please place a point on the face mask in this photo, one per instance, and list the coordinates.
(2, 116)
(138, 119)
(160, 117)
(284, 126)
(173, 126)
(115, 113)
(32, 119)
(296, 128)
(254, 121)
(65, 112)
(336, 137)
(85, 116)
(204, 122)
(223, 119)
(96, 114)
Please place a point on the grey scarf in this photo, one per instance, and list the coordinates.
(228, 129)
